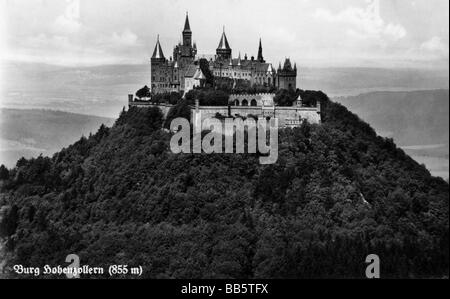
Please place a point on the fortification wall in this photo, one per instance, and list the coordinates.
(211, 111)
(287, 116)
(292, 117)
(165, 108)
(244, 111)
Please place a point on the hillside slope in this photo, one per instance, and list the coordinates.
(337, 193)
(417, 120)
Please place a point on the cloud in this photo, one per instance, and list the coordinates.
(126, 38)
(435, 44)
(363, 23)
(69, 22)
(325, 32)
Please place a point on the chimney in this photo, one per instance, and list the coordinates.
(130, 98)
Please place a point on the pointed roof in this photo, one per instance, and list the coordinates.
(199, 75)
(187, 26)
(158, 53)
(195, 72)
(287, 65)
(190, 71)
(223, 45)
(260, 54)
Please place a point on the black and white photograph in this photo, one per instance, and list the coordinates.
(224, 147)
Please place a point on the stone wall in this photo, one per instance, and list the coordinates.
(165, 108)
(287, 116)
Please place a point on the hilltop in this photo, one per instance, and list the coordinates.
(337, 193)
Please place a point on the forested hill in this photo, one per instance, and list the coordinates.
(336, 194)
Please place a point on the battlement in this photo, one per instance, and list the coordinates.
(252, 94)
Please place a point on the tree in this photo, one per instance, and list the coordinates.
(182, 109)
(204, 66)
(4, 172)
(144, 92)
(285, 97)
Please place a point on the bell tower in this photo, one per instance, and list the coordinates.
(187, 33)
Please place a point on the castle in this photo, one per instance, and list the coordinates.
(182, 72)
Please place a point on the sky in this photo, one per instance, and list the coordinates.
(361, 33)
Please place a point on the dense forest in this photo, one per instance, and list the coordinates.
(337, 193)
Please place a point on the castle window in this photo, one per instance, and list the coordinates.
(253, 103)
(244, 102)
(236, 102)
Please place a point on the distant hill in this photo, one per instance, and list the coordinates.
(99, 90)
(337, 193)
(417, 120)
(28, 133)
(354, 81)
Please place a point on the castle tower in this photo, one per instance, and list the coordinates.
(159, 69)
(158, 55)
(223, 50)
(187, 33)
(260, 52)
(287, 76)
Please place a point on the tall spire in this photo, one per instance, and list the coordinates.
(158, 53)
(187, 26)
(260, 54)
(187, 33)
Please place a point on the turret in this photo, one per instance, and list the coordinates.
(158, 55)
(223, 50)
(287, 76)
